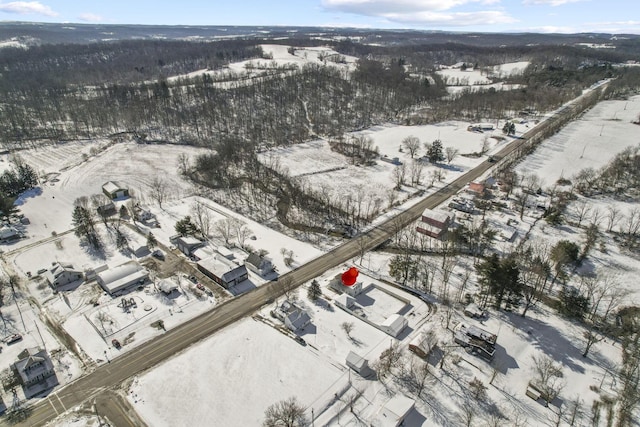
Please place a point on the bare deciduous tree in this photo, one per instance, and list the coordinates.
(347, 327)
(158, 190)
(581, 209)
(613, 217)
(202, 218)
(451, 153)
(286, 413)
(399, 174)
(412, 144)
(548, 377)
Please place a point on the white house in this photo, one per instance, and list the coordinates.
(294, 317)
(122, 276)
(394, 324)
(61, 274)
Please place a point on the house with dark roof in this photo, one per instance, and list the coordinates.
(259, 264)
(35, 371)
(223, 271)
(186, 244)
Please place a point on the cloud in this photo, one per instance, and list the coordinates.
(550, 2)
(382, 7)
(90, 17)
(27, 7)
(422, 12)
(458, 19)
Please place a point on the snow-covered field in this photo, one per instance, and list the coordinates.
(589, 142)
(314, 162)
(277, 56)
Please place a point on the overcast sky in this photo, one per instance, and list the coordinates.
(566, 16)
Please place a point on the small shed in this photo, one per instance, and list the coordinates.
(422, 344)
(395, 411)
(472, 310)
(358, 364)
(394, 324)
(113, 191)
(344, 301)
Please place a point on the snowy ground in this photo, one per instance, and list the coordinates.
(589, 142)
(254, 355)
(277, 56)
(331, 172)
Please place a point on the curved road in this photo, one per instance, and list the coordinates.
(178, 339)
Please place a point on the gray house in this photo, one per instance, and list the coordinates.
(222, 271)
(35, 370)
(186, 244)
(259, 264)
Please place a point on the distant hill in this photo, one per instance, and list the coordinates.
(30, 33)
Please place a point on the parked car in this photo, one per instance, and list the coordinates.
(200, 286)
(116, 344)
(13, 338)
(193, 279)
(158, 254)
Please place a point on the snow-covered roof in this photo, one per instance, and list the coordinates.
(121, 276)
(8, 231)
(356, 361)
(298, 319)
(111, 187)
(394, 323)
(344, 300)
(167, 285)
(395, 411)
(420, 341)
(222, 267)
(438, 215)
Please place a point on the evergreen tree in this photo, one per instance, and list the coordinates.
(314, 292)
(435, 152)
(151, 241)
(185, 227)
(84, 226)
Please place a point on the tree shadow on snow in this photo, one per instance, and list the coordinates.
(550, 341)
